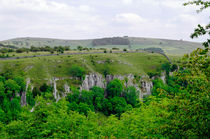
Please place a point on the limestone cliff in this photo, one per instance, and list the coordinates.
(23, 96)
(144, 85)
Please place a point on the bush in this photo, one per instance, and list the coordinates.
(77, 71)
(119, 105)
(174, 67)
(36, 92)
(114, 88)
(131, 96)
(45, 88)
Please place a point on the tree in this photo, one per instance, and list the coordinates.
(2, 79)
(119, 105)
(80, 48)
(106, 70)
(86, 97)
(114, 88)
(2, 92)
(30, 98)
(15, 107)
(74, 97)
(83, 108)
(201, 30)
(131, 96)
(11, 88)
(21, 82)
(77, 71)
(45, 88)
(36, 92)
(60, 49)
(107, 107)
(3, 117)
(98, 97)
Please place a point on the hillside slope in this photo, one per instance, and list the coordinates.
(41, 69)
(169, 46)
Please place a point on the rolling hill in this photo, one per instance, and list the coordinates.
(169, 46)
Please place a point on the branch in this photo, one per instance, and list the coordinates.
(203, 4)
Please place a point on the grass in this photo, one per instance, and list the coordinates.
(41, 69)
(14, 54)
(169, 46)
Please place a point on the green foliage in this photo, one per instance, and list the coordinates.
(106, 70)
(77, 71)
(114, 88)
(20, 81)
(203, 4)
(119, 105)
(107, 107)
(2, 79)
(174, 67)
(153, 74)
(131, 96)
(201, 30)
(45, 88)
(80, 48)
(177, 109)
(11, 88)
(36, 92)
(30, 98)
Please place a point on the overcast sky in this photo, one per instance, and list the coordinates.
(83, 19)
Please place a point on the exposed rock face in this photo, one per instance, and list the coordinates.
(23, 96)
(55, 91)
(163, 77)
(91, 80)
(66, 88)
(144, 86)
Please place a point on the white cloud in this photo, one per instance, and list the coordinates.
(127, 1)
(130, 18)
(76, 19)
(85, 8)
(188, 18)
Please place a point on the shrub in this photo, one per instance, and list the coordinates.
(114, 88)
(77, 71)
(106, 70)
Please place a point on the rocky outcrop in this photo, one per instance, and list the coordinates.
(163, 77)
(91, 80)
(23, 96)
(55, 91)
(67, 88)
(144, 85)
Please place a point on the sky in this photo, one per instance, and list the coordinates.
(86, 19)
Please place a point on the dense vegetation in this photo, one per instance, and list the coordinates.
(178, 108)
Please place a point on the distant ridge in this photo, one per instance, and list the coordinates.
(169, 46)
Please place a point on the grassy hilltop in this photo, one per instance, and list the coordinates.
(169, 46)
